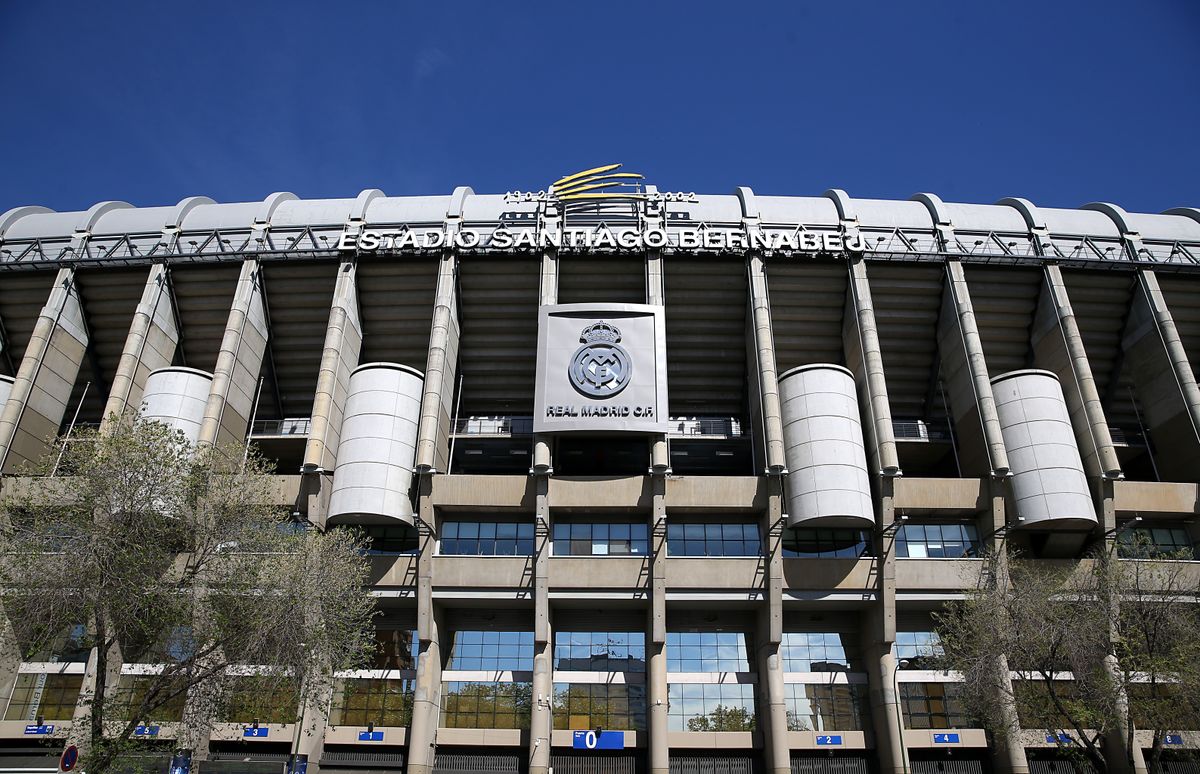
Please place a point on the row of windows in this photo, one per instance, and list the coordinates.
(486, 705)
(580, 707)
(382, 702)
(492, 651)
(597, 539)
(815, 652)
(600, 651)
(710, 707)
(713, 539)
(707, 652)
(932, 705)
(937, 541)
(825, 707)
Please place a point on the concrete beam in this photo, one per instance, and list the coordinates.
(339, 357)
(860, 341)
(43, 384)
(149, 345)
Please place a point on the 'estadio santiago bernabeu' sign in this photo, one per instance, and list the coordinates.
(601, 367)
(604, 238)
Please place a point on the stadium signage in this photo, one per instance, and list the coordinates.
(701, 239)
(601, 367)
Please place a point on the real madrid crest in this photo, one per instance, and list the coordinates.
(601, 368)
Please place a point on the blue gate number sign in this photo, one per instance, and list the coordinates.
(1060, 739)
(828, 740)
(1172, 739)
(370, 736)
(39, 730)
(945, 738)
(257, 733)
(605, 740)
(146, 731)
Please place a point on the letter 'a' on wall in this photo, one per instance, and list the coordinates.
(177, 397)
(601, 368)
(828, 481)
(378, 444)
(1049, 484)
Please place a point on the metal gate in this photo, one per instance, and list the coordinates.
(714, 764)
(596, 764)
(950, 766)
(826, 764)
(457, 763)
(1061, 766)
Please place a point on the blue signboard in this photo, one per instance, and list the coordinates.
(1172, 739)
(181, 762)
(39, 730)
(297, 764)
(1059, 739)
(258, 733)
(945, 739)
(146, 731)
(828, 740)
(370, 736)
(605, 740)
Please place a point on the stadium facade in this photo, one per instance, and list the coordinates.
(657, 481)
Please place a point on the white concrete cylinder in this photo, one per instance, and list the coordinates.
(177, 397)
(828, 482)
(6, 384)
(378, 444)
(1048, 484)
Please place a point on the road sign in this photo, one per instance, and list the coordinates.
(41, 730)
(370, 736)
(262, 732)
(835, 739)
(945, 739)
(605, 740)
(69, 758)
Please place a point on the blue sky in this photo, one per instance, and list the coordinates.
(1060, 102)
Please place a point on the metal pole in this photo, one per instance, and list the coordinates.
(454, 425)
(253, 417)
(900, 713)
(66, 438)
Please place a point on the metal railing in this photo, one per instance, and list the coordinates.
(919, 430)
(704, 427)
(271, 428)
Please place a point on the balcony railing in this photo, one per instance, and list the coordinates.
(276, 428)
(919, 430)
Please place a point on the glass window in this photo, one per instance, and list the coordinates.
(600, 651)
(50, 696)
(932, 705)
(487, 538)
(824, 707)
(826, 543)
(815, 652)
(492, 651)
(584, 706)
(390, 540)
(1155, 542)
(707, 652)
(486, 705)
(921, 649)
(396, 649)
(257, 698)
(710, 707)
(713, 539)
(578, 538)
(937, 541)
(382, 702)
(131, 694)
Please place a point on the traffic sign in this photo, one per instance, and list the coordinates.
(834, 739)
(70, 757)
(945, 739)
(604, 740)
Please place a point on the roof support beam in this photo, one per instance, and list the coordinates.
(271, 373)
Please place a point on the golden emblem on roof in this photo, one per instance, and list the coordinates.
(598, 183)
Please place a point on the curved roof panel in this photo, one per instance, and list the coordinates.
(221, 216)
(1079, 222)
(312, 212)
(986, 218)
(409, 209)
(809, 210)
(1165, 228)
(134, 220)
(888, 213)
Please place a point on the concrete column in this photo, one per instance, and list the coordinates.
(543, 461)
(541, 722)
(343, 345)
(1164, 380)
(235, 378)
(964, 371)
(770, 638)
(42, 388)
(427, 696)
(314, 721)
(1008, 753)
(437, 402)
(150, 345)
(879, 630)
(768, 375)
(656, 640)
(656, 295)
(1058, 347)
(860, 339)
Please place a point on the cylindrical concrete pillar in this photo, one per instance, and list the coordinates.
(378, 443)
(828, 480)
(1049, 485)
(177, 396)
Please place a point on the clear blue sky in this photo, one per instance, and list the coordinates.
(1061, 102)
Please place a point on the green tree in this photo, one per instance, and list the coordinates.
(179, 557)
(723, 718)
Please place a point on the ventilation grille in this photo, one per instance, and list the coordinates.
(466, 764)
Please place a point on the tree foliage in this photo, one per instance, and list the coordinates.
(1093, 645)
(177, 557)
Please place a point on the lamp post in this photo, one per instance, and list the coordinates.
(901, 663)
